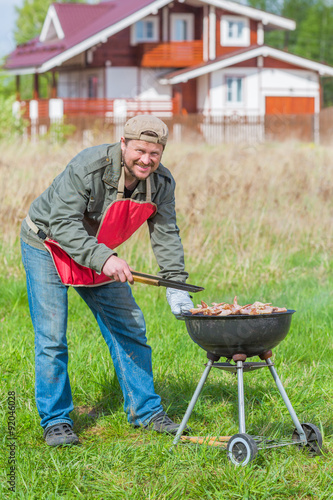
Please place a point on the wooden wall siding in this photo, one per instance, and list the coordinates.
(117, 49)
(75, 62)
(288, 105)
(171, 54)
(270, 62)
(189, 96)
(253, 32)
(198, 24)
(250, 63)
(180, 8)
(120, 52)
(221, 51)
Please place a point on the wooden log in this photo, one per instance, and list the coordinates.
(209, 440)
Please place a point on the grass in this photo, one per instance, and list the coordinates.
(256, 223)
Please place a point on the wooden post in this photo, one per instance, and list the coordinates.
(17, 82)
(36, 86)
(54, 86)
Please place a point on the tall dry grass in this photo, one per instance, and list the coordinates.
(237, 205)
(26, 169)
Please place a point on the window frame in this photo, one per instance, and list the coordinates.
(230, 41)
(235, 103)
(156, 35)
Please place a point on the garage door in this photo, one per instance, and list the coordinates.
(276, 105)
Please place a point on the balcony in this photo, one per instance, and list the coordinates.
(170, 54)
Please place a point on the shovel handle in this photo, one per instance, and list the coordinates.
(145, 281)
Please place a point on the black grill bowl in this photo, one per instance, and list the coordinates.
(238, 334)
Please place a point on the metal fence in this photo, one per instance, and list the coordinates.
(211, 130)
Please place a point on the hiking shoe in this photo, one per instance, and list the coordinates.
(59, 434)
(162, 423)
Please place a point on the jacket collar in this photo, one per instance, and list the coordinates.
(113, 165)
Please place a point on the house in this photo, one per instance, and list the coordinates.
(168, 57)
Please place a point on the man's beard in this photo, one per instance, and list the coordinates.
(131, 168)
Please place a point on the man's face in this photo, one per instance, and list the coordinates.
(141, 158)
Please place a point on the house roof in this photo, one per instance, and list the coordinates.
(269, 20)
(83, 27)
(70, 29)
(73, 18)
(240, 56)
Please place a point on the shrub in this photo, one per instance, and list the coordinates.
(11, 125)
(60, 132)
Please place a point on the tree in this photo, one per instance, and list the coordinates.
(273, 6)
(29, 23)
(313, 36)
(31, 17)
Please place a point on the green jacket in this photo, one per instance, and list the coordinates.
(70, 210)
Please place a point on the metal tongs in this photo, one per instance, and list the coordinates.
(150, 279)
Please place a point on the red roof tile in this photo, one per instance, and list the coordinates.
(75, 17)
(79, 22)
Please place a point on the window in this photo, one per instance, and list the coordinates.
(92, 86)
(234, 90)
(235, 31)
(182, 27)
(145, 30)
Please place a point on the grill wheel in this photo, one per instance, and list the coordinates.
(314, 439)
(241, 449)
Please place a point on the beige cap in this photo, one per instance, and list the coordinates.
(136, 126)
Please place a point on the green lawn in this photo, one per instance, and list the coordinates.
(115, 461)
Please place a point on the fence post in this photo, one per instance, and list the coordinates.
(56, 110)
(33, 115)
(316, 129)
(177, 132)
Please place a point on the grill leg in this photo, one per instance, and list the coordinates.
(286, 401)
(241, 407)
(193, 401)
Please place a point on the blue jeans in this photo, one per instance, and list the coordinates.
(122, 325)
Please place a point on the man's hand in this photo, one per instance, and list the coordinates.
(178, 301)
(118, 269)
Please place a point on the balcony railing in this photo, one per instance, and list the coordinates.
(170, 54)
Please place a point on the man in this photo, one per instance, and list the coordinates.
(69, 238)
